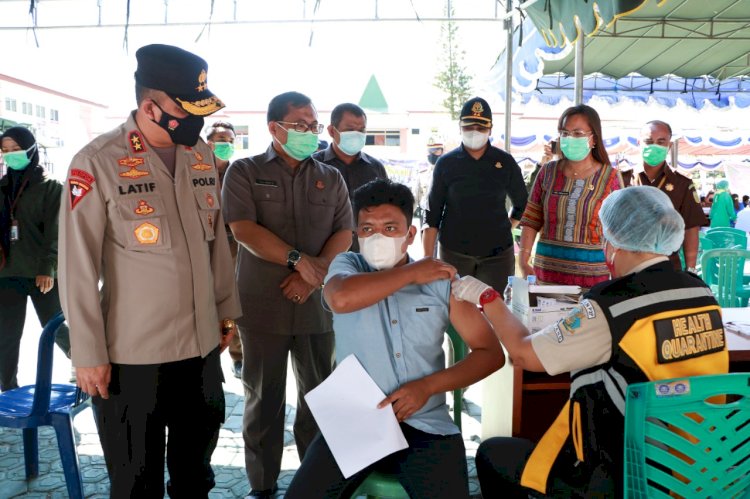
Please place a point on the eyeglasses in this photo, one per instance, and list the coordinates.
(574, 133)
(303, 127)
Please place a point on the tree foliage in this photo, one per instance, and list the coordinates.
(453, 79)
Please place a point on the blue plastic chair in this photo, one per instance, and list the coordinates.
(46, 404)
(688, 437)
(385, 486)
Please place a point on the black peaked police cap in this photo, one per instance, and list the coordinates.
(476, 111)
(182, 75)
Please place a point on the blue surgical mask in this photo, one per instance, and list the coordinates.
(351, 142)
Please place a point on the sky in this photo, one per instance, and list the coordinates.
(250, 63)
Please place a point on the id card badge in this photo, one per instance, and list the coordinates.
(14, 230)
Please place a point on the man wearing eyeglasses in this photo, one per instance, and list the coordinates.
(348, 129)
(291, 215)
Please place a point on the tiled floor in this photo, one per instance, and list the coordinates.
(228, 459)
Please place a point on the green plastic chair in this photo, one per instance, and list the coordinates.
(727, 237)
(683, 439)
(386, 486)
(722, 270)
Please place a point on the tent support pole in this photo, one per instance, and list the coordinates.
(578, 89)
(508, 70)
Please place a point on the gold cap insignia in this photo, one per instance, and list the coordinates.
(202, 81)
(147, 233)
(477, 109)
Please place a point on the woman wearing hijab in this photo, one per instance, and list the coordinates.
(29, 206)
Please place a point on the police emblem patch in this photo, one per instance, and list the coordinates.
(147, 233)
(132, 164)
(669, 187)
(320, 185)
(79, 185)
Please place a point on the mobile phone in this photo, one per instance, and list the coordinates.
(553, 146)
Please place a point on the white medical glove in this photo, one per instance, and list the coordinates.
(468, 288)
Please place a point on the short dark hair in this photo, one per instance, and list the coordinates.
(213, 130)
(384, 191)
(661, 123)
(279, 105)
(347, 107)
(599, 152)
(142, 93)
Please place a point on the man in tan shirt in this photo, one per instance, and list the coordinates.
(141, 215)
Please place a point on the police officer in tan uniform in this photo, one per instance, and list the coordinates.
(655, 142)
(141, 216)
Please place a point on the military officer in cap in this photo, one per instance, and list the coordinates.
(141, 216)
(655, 142)
(466, 205)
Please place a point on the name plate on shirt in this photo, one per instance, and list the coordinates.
(268, 183)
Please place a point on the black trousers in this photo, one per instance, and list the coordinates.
(14, 293)
(492, 270)
(500, 462)
(432, 467)
(185, 397)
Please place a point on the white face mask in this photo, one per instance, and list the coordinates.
(382, 252)
(474, 139)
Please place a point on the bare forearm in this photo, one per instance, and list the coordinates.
(357, 291)
(260, 241)
(477, 365)
(338, 243)
(528, 236)
(690, 246)
(429, 237)
(513, 335)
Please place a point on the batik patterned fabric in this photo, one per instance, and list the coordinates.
(565, 212)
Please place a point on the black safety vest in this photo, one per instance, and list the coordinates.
(664, 324)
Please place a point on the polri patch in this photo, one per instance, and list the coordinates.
(689, 336)
(79, 184)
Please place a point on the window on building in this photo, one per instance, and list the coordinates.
(41, 111)
(386, 137)
(27, 108)
(241, 139)
(54, 115)
(10, 104)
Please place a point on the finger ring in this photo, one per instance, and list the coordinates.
(296, 297)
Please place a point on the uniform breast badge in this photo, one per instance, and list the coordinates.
(200, 165)
(210, 200)
(143, 208)
(498, 165)
(320, 185)
(132, 164)
(669, 187)
(147, 233)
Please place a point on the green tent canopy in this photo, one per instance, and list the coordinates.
(373, 98)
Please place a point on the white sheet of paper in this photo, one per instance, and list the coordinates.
(345, 406)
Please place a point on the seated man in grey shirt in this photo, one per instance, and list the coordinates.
(391, 313)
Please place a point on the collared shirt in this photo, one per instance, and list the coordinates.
(467, 201)
(363, 169)
(157, 244)
(681, 191)
(303, 206)
(399, 339)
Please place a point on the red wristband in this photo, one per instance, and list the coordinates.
(488, 296)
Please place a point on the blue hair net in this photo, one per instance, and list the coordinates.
(642, 219)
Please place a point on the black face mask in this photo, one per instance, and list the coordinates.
(432, 158)
(183, 131)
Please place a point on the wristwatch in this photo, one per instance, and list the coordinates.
(227, 325)
(292, 258)
(692, 270)
(488, 296)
